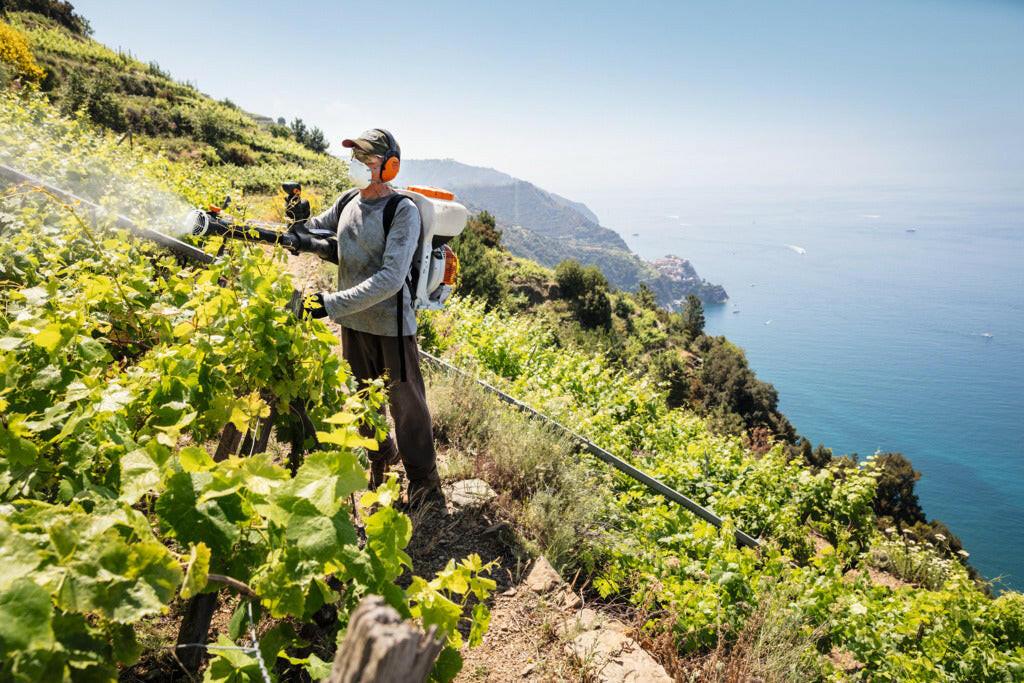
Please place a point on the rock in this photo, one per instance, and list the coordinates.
(528, 669)
(497, 528)
(588, 619)
(542, 577)
(470, 493)
(844, 660)
(613, 657)
(570, 600)
(585, 620)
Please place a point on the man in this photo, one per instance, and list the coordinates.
(372, 275)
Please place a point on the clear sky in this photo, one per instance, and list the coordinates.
(589, 96)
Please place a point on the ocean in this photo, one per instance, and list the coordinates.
(889, 320)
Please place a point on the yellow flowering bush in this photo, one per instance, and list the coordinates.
(15, 53)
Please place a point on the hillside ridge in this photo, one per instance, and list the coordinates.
(548, 228)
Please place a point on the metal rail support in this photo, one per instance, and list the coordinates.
(647, 480)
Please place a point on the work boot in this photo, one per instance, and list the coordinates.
(423, 494)
(379, 469)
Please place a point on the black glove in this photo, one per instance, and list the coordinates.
(298, 241)
(313, 306)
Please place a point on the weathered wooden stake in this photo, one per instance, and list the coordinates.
(381, 648)
(195, 628)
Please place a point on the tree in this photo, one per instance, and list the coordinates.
(317, 141)
(725, 382)
(693, 317)
(58, 10)
(485, 225)
(894, 492)
(645, 297)
(299, 130)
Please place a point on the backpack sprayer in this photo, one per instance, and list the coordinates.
(434, 266)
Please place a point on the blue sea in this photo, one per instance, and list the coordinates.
(888, 320)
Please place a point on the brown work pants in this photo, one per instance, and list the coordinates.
(372, 356)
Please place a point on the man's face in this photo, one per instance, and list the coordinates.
(372, 161)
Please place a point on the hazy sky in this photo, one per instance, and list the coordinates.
(579, 97)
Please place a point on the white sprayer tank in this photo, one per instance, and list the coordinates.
(443, 219)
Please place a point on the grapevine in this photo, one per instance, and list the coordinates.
(120, 368)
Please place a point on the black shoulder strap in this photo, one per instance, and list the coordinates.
(346, 198)
(389, 212)
(389, 217)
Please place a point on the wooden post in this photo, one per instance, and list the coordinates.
(230, 438)
(381, 648)
(302, 428)
(195, 629)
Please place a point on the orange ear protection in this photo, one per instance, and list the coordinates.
(392, 160)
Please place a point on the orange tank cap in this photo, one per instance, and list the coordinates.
(432, 192)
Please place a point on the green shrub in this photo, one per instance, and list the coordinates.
(670, 368)
(95, 97)
(235, 153)
(575, 280)
(480, 271)
(279, 131)
(594, 310)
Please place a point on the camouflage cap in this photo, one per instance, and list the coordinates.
(373, 141)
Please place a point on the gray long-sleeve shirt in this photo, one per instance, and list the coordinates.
(370, 273)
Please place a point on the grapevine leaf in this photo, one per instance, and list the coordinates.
(316, 668)
(49, 337)
(92, 351)
(195, 459)
(114, 399)
(123, 582)
(247, 408)
(347, 439)
(127, 649)
(318, 536)
(280, 583)
(239, 622)
(447, 666)
(85, 648)
(231, 665)
(388, 531)
(16, 449)
(197, 571)
(434, 609)
(326, 478)
(343, 418)
(212, 521)
(20, 558)
(481, 622)
(140, 473)
(25, 617)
